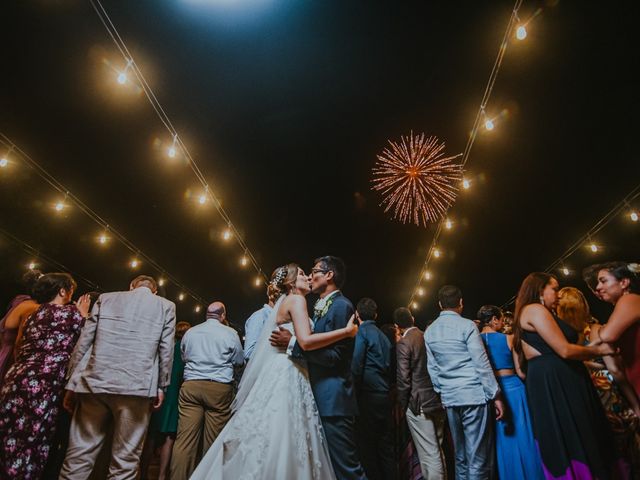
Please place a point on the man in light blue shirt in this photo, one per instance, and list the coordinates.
(461, 373)
(253, 328)
(211, 352)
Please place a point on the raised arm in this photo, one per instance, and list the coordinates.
(624, 315)
(296, 307)
(538, 317)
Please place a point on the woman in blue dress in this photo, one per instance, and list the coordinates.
(516, 452)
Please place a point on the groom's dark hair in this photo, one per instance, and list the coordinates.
(336, 265)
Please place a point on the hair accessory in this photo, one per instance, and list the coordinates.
(633, 268)
(279, 277)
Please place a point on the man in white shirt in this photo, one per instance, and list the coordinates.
(211, 352)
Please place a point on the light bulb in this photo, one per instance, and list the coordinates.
(633, 216)
(32, 265)
(421, 291)
(3, 162)
(414, 305)
(257, 282)
(181, 297)
(565, 271)
(134, 263)
(202, 199)
(427, 275)
(436, 253)
(466, 184)
(171, 152)
(59, 206)
(197, 308)
(448, 224)
(521, 32)
(244, 261)
(489, 125)
(122, 78)
(226, 235)
(161, 282)
(102, 239)
(593, 247)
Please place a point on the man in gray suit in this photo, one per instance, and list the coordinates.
(119, 368)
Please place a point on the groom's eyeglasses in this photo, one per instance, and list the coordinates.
(318, 270)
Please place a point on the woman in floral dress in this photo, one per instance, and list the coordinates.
(31, 396)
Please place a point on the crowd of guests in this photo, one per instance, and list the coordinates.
(89, 389)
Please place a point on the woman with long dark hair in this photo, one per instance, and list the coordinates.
(619, 284)
(568, 421)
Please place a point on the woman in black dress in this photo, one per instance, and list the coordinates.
(568, 421)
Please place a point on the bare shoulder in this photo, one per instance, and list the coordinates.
(294, 301)
(629, 304)
(534, 313)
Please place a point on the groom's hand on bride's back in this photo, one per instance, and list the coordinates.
(280, 338)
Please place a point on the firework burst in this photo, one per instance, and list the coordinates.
(415, 180)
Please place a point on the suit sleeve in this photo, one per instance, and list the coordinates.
(87, 336)
(166, 347)
(403, 356)
(334, 354)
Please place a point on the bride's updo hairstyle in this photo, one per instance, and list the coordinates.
(283, 280)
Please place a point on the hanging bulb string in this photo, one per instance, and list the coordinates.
(166, 121)
(474, 132)
(587, 237)
(84, 208)
(27, 248)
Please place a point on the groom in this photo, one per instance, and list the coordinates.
(330, 367)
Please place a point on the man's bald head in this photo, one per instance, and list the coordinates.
(216, 310)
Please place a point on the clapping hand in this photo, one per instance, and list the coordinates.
(83, 304)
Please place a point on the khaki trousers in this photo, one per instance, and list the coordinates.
(204, 409)
(427, 432)
(94, 412)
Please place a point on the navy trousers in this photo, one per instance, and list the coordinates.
(340, 433)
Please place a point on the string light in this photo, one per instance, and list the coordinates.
(480, 120)
(161, 282)
(244, 261)
(420, 291)
(226, 235)
(565, 271)
(171, 151)
(258, 281)
(436, 253)
(107, 232)
(633, 216)
(198, 308)
(4, 162)
(32, 265)
(593, 247)
(122, 76)
(181, 297)
(202, 199)
(521, 32)
(177, 146)
(427, 275)
(448, 224)
(414, 305)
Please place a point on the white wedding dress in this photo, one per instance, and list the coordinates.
(275, 431)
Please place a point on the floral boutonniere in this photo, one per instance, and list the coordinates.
(321, 307)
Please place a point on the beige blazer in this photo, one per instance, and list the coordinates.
(126, 345)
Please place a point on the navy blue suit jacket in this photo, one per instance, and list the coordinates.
(330, 367)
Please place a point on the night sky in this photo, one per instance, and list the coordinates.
(284, 104)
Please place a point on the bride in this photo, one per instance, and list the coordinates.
(275, 431)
